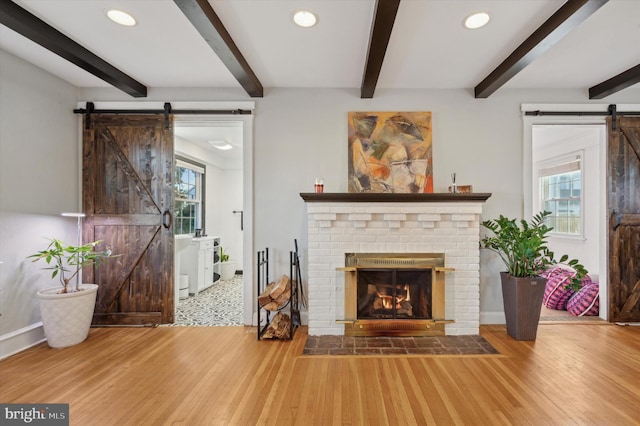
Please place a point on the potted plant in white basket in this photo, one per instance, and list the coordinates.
(227, 267)
(67, 311)
(522, 246)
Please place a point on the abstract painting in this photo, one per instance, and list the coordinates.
(390, 152)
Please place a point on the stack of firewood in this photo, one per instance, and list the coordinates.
(276, 294)
(279, 327)
(274, 297)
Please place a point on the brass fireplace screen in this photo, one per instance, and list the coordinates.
(394, 294)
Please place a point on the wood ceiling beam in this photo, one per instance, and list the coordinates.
(615, 84)
(38, 31)
(210, 27)
(565, 19)
(383, 20)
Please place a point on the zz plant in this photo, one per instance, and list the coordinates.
(522, 246)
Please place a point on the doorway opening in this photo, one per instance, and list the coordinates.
(568, 178)
(219, 145)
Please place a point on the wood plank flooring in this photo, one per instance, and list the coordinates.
(572, 374)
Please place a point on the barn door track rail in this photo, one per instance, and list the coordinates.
(167, 109)
(612, 110)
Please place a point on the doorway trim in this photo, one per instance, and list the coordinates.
(247, 172)
(527, 166)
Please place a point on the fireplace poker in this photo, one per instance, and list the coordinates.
(304, 301)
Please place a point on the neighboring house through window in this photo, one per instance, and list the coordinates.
(189, 196)
(561, 193)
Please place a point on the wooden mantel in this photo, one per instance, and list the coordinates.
(381, 197)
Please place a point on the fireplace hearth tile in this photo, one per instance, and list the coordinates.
(379, 342)
(438, 345)
(428, 343)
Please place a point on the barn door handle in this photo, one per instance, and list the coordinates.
(167, 219)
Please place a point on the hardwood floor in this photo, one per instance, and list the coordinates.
(572, 374)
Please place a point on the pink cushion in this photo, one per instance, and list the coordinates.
(586, 301)
(555, 295)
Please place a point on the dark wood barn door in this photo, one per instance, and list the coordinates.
(128, 199)
(623, 178)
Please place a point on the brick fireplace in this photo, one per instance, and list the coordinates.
(342, 223)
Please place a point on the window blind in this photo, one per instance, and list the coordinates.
(556, 169)
(191, 166)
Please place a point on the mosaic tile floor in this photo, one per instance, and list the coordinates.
(440, 345)
(219, 305)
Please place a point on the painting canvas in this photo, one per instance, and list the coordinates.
(390, 152)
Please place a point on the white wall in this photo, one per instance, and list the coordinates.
(224, 195)
(39, 179)
(227, 197)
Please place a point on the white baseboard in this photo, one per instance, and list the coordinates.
(19, 340)
(492, 318)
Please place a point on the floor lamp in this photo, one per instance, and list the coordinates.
(79, 216)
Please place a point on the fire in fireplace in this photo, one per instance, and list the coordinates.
(394, 294)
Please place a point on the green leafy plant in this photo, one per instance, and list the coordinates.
(522, 246)
(66, 261)
(224, 257)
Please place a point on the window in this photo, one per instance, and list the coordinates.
(189, 196)
(561, 194)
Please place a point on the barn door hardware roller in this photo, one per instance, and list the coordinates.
(613, 111)
(167, 111)
(87, 115)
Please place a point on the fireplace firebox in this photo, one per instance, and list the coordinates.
(394, 294)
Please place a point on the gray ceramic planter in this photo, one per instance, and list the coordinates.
(522, 303)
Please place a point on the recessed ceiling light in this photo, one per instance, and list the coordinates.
(304, 18)
(221, 145)
(120, 17)
(477, 20)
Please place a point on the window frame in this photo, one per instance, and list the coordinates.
(558, 162)
(200, 169)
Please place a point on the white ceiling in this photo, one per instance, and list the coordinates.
(428, 48)
(203, 134)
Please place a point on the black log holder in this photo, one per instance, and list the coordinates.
(293, 305)
(263, 280)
